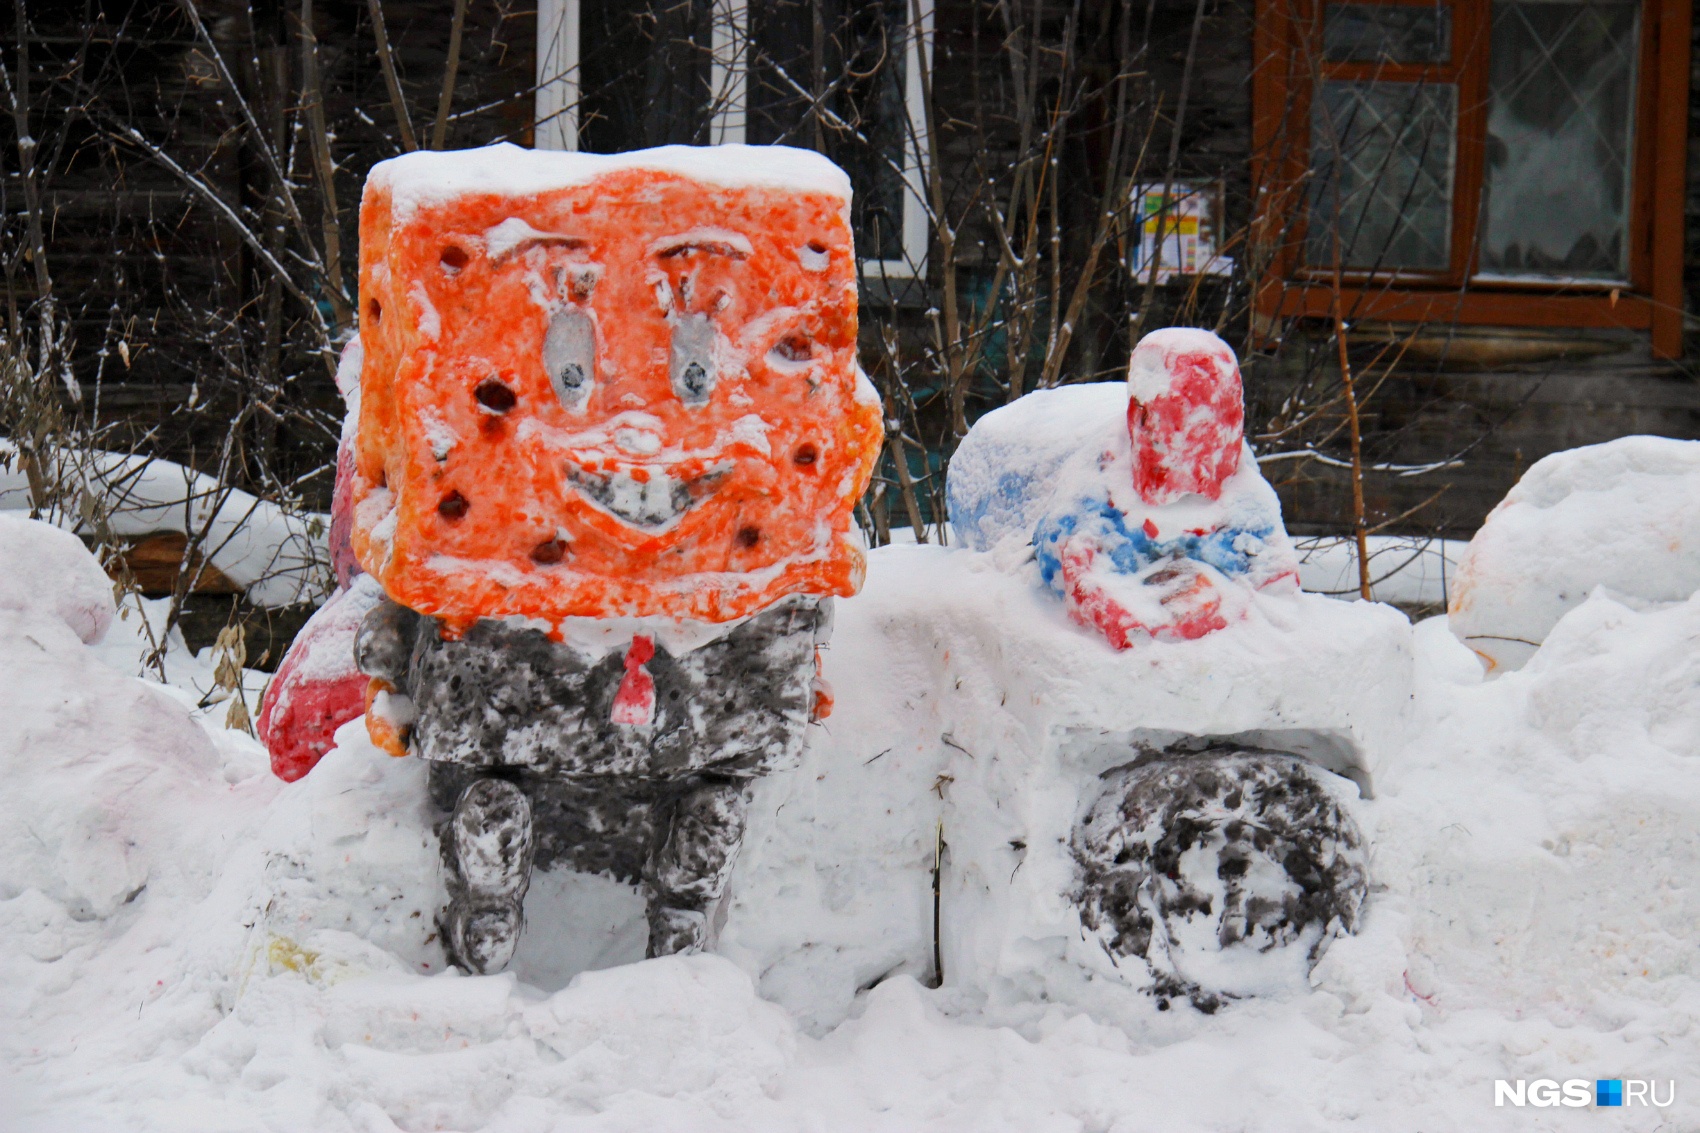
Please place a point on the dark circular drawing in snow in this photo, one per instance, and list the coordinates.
(1223, 870)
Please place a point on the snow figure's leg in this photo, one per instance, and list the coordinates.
(487, 848)
(693, 856)
(1226, 872)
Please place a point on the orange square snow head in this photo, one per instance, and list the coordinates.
(606, 386)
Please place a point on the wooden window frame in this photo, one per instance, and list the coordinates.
(1651, 300)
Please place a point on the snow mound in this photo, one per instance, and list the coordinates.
(1543, 832)
(98, 768)
(44, 568)
(1624, 514)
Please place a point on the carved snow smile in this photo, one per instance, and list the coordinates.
(648, 496)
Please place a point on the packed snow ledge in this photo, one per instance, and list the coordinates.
(188, 944)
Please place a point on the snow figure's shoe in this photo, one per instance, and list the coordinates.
(1143, 506)
(317, 688)
(1221, 870)
(688, 872)
(487, 847)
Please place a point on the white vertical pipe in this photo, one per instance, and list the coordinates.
(729, 76)
(556, 105)
(917, 53)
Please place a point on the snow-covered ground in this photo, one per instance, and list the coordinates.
(188, 944)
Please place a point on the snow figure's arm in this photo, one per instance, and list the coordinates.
(1274, 567)
(1122, 582)
(383, 650)
(1251, 543)
(1170, 600)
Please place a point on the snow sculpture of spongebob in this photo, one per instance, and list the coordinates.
(611, 431)
(1221, 862)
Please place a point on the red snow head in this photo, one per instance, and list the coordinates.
(1185, 413)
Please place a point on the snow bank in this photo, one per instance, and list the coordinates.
(1624, 514)
(187, 944)
(278, 557)
(45, 569)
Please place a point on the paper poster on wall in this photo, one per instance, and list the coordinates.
(1188, 219)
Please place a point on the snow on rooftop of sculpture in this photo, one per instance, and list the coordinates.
(1142, 503)
(427, 179)
(599, 386)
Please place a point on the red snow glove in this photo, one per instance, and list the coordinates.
(316, 689)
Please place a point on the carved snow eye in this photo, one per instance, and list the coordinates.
(794, 348)
(814, 256)
(691, 366)
(495, 396)
(569, 354)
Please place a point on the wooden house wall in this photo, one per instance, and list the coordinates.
(146, 265)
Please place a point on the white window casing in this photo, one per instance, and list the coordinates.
(557, 99)
(729, 72)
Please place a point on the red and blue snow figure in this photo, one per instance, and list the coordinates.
(1157, 531)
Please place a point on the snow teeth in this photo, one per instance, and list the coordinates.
(655, 501)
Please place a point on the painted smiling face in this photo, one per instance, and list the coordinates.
(630, 389)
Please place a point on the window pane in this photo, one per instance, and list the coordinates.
(1381, 164)
(1393, 33)
(1561, 134)
(645, 72)
(857, 79)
